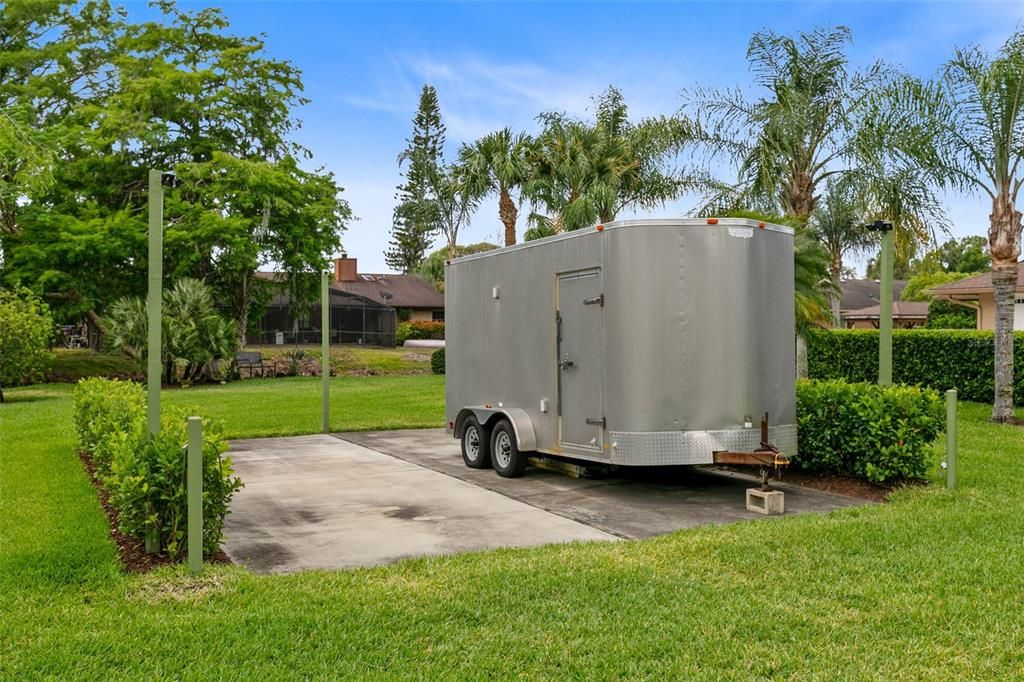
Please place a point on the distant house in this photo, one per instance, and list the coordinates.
(859, 306)
(905, 315)
(412, 296)
(977, 293)
(365, 309)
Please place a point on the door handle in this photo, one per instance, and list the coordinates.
(566, 364)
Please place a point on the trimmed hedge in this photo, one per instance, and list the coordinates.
(437, 361)
(938, 359)
(145, 476)
(881, 433)
(419, 330)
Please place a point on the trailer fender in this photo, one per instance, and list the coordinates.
(526, 438)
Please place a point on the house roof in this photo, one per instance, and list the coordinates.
(900, 309)
(862, 293)
(405, 291)
(972, 286)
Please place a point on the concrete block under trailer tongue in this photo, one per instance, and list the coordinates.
(635, 343)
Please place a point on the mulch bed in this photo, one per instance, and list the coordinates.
(839, 485)
(131, 551)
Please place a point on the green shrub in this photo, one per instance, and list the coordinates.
(145, 476)
(938, 359)
(948, 315)
(106, 413)
(147, 485)
(880, 433)
(419, 330)
(437, 361)
(25, 331)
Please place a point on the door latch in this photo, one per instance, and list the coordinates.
(597, 300)
(597, 422)
(566, 364)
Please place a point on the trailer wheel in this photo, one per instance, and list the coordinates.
(476, 444)
(505, 455)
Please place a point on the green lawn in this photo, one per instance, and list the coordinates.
(927, 586)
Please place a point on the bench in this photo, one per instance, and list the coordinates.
(251, 360)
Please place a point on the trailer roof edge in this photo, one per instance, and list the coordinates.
(619, 224)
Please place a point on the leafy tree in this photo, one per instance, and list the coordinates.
(498, 163)
(918, 285)
(177, 94)
(969, 254)
(416, 217)
(585, 173)
(26, 328)
(948, 315)
(194, 335)
(965, 130)
(432, 269)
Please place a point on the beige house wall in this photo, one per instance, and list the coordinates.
(421, 315)
(987, 311)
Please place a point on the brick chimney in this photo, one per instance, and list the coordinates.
(345, 269)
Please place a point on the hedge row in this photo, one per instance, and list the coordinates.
(144, 476)
(418, 331)
(880, 433)
(938, 359)
(437, 361)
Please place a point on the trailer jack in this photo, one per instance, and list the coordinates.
(767, 457)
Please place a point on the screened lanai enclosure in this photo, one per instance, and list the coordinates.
(354, 320)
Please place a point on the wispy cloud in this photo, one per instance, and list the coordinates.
(478, 95)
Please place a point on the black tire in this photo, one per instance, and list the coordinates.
(505, 456)
(476, 444)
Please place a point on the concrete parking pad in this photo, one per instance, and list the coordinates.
(321, 502)
(633, 504)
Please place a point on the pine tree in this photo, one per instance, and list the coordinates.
(416, 216)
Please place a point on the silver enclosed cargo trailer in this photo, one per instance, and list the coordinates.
(635, 343)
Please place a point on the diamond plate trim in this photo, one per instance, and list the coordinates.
(671, 448)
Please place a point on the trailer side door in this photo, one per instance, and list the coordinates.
(580, 371)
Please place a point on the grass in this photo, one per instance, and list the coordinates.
(361, 360)
(926, 586)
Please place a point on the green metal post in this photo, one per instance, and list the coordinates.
(885, 310)
(951, 439)
(325, 350)
(194, 493)
(154, 304)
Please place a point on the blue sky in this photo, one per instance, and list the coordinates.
(498, 64)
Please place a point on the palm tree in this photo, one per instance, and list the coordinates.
(589, 172)
(804, 130)
(497, 163)
(965, 130)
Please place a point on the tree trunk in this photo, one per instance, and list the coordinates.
(798, 197)
(801, 357)
(244, 303)
(835, 297)
(1004, 282)
(508, 213)
(1004, 243)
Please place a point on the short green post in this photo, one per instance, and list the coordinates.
(951, 439)
(154, 304)
(885, 307)
(194, 492)
(325, 350)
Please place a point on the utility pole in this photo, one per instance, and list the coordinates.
(885, 303)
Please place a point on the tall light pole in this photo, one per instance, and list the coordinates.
(885, 303)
